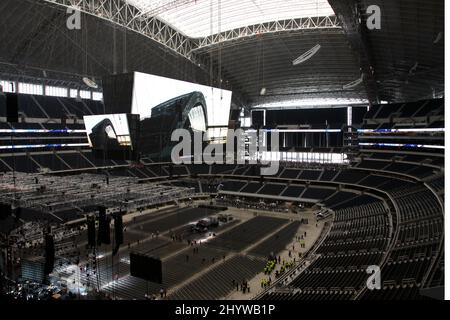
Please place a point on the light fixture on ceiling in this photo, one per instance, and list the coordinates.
(90, 83)
(263, 91)
(312, 103)
(307, 55)
(353, 84)
(413, 69)
(438, 38)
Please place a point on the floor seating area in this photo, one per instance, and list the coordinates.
(182, 216)
(310, 295)
(247, 233)
(218, 282)
(277, 242)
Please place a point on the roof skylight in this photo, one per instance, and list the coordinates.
(201, 18)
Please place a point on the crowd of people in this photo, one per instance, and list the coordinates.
(244, 286)
(266, 282)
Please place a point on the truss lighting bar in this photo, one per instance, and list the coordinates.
(307, 55)
(353, 84)
(36, 146)
(405, 145)
(401, 130)
(41, 131)
(311, 103)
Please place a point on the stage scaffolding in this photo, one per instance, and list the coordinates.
(83, 193)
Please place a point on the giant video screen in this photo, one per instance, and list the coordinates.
(113, 136)
(151, 93)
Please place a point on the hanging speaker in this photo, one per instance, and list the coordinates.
(234, 114)
(12, 107)
(49, 254)
(118, 232)
(118, 229)
(107, 232)
(18, 213)
(5, 210)
(146, 267)
(257, 118)
(103, 227)
(91, 231)
(2, 296)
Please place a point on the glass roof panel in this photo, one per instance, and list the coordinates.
(201, 18)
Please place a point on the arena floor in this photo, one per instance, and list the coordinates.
(237, 252)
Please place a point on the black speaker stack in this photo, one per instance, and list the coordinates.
(5, 211)
(91, 231)
(118, 229)
(104, 233)
(49, 254)
(12, 107)
(146, 267)
(104, 236)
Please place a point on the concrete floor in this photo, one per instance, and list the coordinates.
(312, 234)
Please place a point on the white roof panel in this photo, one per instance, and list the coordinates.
(201, 18)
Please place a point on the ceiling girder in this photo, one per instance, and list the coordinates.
(349, 13)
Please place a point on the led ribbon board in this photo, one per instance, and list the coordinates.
(37, 146)
(402, 145)
(41, 131)
(405, 130)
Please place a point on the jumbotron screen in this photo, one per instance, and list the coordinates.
(164, 105)
(113, 135)
(150, 91)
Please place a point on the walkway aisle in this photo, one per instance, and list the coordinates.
(312, 234)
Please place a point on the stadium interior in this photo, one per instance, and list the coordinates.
(94, 207)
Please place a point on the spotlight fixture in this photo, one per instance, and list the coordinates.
(413, 69)
(307, 55)
(353, 84)
(90, 83)
(263, 91)
(438, 38)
